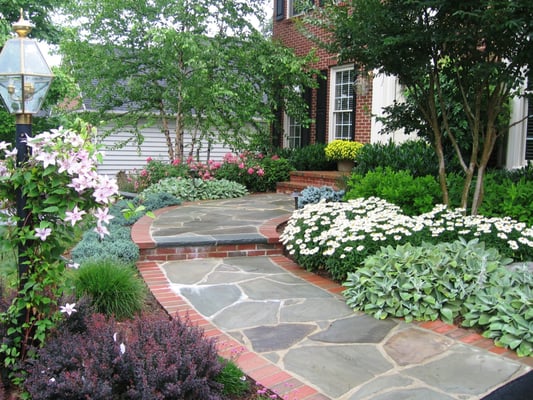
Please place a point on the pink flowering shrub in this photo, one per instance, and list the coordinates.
(156, 170)
(254, 170)
(61, 188)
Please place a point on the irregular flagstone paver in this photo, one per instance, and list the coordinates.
(357, 329)
(413, 346)
(190, 271)
(264, 289)
(247, 315)
(208, 300)
(465, 370)
(314, 310)
(336, 368)
(280, 337)
(381, 384)
(412, 394)
(261, 265)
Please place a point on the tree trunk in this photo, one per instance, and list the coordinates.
(180, 127)
(166, 132)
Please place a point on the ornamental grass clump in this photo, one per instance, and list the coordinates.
(114, 288)
(342, 150)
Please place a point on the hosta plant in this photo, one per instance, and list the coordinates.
(197, 189)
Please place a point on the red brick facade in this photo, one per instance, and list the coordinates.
(285, 30)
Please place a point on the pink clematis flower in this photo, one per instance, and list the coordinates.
(74, 216)
(43, 233)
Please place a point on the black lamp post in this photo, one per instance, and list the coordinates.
(24, 81)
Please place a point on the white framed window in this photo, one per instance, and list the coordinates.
(293, 133)
(341, 103)
(298, 7)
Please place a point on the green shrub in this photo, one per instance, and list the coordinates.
(414, 195)
(156, 170)
(416, 156)
(308, 158)
(114, 288)
(505, 194)
(196, 189)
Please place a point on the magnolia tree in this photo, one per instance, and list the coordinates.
(60, 188)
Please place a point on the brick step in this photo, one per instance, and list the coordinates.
(176, 253)
(299, 180)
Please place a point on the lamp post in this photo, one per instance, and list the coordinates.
(24, 81)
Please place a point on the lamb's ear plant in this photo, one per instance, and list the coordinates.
(421, 282)
(62, 188)
(504, 309)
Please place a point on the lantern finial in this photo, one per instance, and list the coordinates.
(22, 27)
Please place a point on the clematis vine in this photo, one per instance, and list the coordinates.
(61, 187)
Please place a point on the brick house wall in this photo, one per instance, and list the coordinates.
(286, 31)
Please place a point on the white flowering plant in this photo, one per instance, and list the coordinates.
(339, 236)
(60, 188)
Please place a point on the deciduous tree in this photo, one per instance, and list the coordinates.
(483, 48)
(200, 64)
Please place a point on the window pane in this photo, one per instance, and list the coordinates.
(294, 134)
(343, 104)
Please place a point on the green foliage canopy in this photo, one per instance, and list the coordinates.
(482, 48)
(199, 64)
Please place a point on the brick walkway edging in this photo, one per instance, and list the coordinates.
(258, 368)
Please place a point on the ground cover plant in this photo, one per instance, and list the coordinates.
(448, 281)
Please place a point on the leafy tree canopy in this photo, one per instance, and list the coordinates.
(481, 48)
(38, 12)
(200, 64)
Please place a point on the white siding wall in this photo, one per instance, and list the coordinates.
(131, 157)
(385, 90)
(516, 144)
